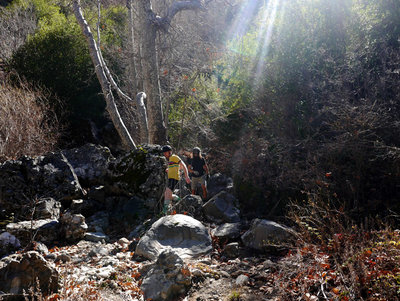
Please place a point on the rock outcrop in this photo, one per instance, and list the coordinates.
(21, 272)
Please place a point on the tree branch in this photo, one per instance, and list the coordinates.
(177, 6)
(101, 72)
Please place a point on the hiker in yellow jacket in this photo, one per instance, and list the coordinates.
(175, 165)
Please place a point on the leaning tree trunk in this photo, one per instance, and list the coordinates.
(105, 83)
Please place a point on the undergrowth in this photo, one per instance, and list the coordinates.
(338, 259)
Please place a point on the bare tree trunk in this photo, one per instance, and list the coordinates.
(151, 82)
(101, 73)
(134, 64)
(148, 24)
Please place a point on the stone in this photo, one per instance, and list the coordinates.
(19, 272)
(139, 173)
(265, 236)
(96, 237)
(190, 205)
(227, 231)
(184, 234)
(99, 222)
(49, 176)
(231, 250)
(242, 280)
(44, 230)
(73, 226)
(47, 208)
(90, 163)
(221, 208)
(217, 183)
(8, 243)
(123, 241)
(167, 278)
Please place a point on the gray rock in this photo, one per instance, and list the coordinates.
(185, 235)
(49, 176)
(265, 235)
(140, 172)
(221, 208)
(90, 163)
(8, 243)
(96, 237)
(19, 272)
(45, 230)
(242, 280)
(227, 231)
(98, 222)
(73, 226)
(99, 251)
(167, 278)
(191, 205)
(231, 250)
(47, 208)
(217, 183)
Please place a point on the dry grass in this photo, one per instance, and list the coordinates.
(26, 125)
(339, 260)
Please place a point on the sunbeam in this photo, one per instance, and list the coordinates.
(265, 32)
(254, 24)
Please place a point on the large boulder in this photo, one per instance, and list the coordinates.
(90, 163)
(266, 236)
(21, 272)
(140, 173)
(221, 208)
(21, 181)
(217, 183)
(167, 278)
(227, 231)
(185, 235)
(44, 230)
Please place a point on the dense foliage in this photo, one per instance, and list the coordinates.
(311, 104)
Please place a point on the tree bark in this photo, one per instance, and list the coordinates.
(148, 24)
(101, 72)
(142, 114)
(149, 63)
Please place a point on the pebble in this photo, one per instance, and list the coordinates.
(63, 258)
(123, 241)
(242, 280)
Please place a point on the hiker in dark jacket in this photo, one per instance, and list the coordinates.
(199, 170)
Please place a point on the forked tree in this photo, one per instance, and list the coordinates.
(145, 24)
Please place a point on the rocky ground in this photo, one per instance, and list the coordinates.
(108, 271)
(90, 200)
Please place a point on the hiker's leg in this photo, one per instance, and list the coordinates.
(193, 185)
(167, 200)
(204, 191)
